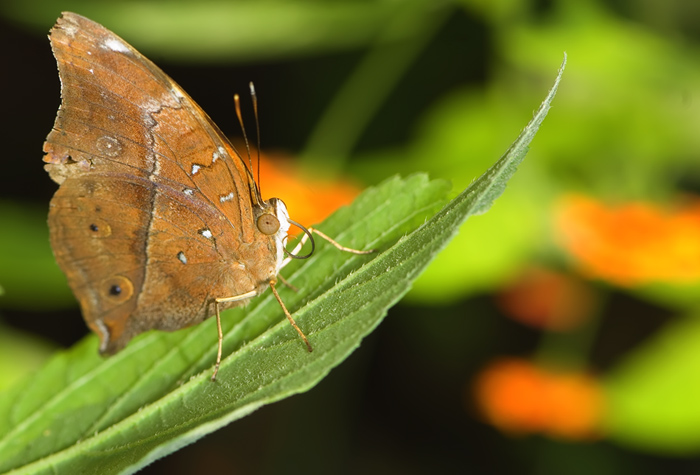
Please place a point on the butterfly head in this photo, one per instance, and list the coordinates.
(272, 219)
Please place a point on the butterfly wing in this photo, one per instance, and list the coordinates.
(153, 218)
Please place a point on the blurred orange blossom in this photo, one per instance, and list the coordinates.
(633, 243)
(520, 398)
(545, 298)
(309, 199)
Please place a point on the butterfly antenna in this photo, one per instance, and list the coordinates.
(254, 97)
(237, 101)
(253, 186)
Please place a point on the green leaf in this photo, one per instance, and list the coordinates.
(81, 413)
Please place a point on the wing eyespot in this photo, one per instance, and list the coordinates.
(117, 289)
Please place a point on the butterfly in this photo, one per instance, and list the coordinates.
(158, 222)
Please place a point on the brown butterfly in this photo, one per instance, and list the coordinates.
(158, 222)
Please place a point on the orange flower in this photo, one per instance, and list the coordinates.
(309, 199)
(634, 243)
(545, 298)
(519, 398)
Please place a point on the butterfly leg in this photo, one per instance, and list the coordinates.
(339, 246)
(289, 317)
(235, 298)
(306, 237)
(284, 281)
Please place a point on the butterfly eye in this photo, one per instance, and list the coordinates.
(268, 224)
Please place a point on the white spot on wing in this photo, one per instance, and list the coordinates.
(188, 191)
(226, 198)
(178, 93)
(152, 105)
(206, 232)
(69, 27)
(91, 71)
(195, 168)
(214, 157)
(222, 150)
(104, 334)
(115, 45)
(182, 257)
(109, 146)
